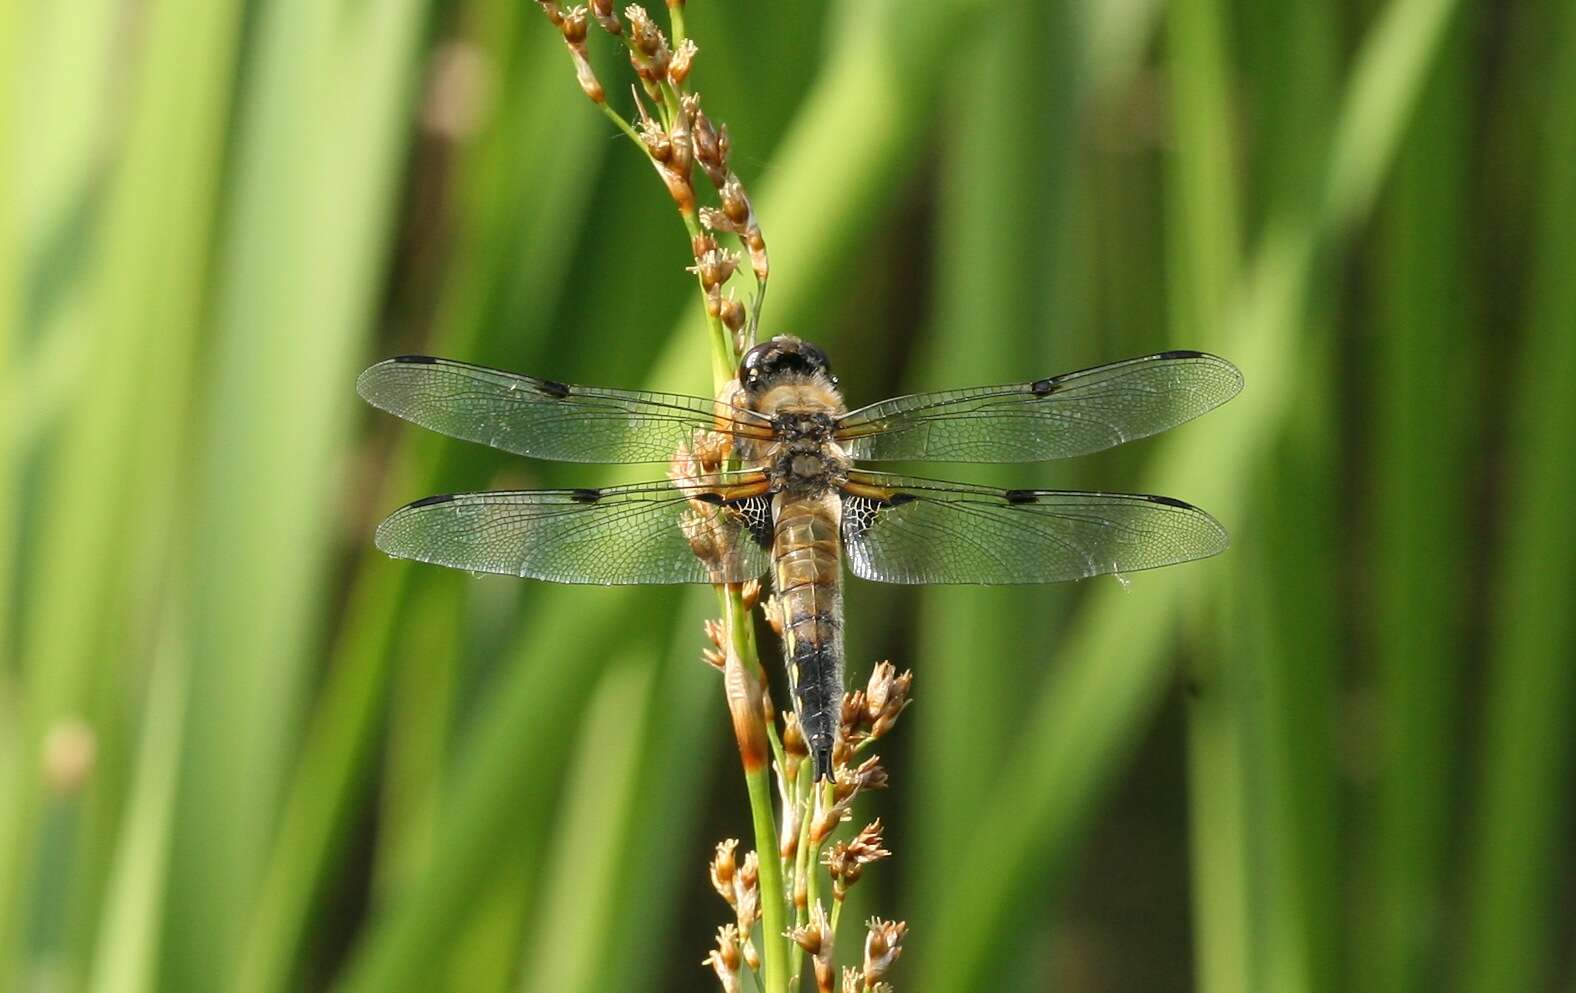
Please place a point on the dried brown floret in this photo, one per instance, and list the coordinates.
(723, 868)
(883, 944)
(725, 959)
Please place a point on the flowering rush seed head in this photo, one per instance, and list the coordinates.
(883, 944)
(722, 869)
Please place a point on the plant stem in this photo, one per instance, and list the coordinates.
(624, 126)
(723, 360)
(802, 864)
(676, 22)
(757, 777)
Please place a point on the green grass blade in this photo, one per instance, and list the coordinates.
(1524, 811)
(1202, 269)
(1421, 629)
(126, 955)
(318, 153)
(1088, 713)
(990, 326)
(579, 896)
(540, 215)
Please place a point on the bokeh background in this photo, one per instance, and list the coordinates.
(242, 751)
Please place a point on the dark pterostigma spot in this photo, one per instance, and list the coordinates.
(1169, 502)
(415, 359)
(554, 389)
(1043, 387)
(585, 495)
(715, 499)
(1022, 496)
(429, 501)
(1181, 353)
(899, 499)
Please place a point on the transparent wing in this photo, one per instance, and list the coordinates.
(622, 535)
(1055, 418)
(898, 529)
(545, 419)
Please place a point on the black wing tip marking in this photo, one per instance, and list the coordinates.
(414, 360)
(1225, 365)
(1222, 536)
(553, 388)
(1021, 496)
(388, 538)
(584, 495)
(431, 500)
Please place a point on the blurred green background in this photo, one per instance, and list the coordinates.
(242, 751)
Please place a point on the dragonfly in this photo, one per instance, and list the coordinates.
(791, 498)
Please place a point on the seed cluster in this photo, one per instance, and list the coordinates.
(677, 135)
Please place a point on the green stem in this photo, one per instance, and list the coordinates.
(624, 126)
(758, 782)
(676, 22)
(802, 856)
(723, 360)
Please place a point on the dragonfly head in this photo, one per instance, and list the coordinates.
(765, 364)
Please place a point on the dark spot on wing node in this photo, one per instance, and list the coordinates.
(899, 499)
(715, 499)
(1169, 502)
(1043, 387)
(416, 359)
(585, 495)
(429, 501)
(1181, 353)
(1022, 496)
(554, 389)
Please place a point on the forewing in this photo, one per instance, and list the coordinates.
(897, 529)
(622, 535)
(1055, 418)
(542, 418)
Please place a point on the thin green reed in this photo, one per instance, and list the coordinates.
(1420, 463)
(1523, 812)
(1203, 225)
(1087, 714)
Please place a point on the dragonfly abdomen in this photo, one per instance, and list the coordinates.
(807, 577)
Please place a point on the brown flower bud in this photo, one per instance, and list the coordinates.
(747, 892)
(723, 868)
(602, 10)
(679, 65)
(731, 313)
(550, 8)
(750, 594)
(883, 944)
(573, 25)
(725, 959)
(735, 203)
(816, 938)
(715, 268)
(773, 609)
(701, 244)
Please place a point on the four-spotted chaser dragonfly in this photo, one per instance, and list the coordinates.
(798, 503)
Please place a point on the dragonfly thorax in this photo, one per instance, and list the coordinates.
(803, 461)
